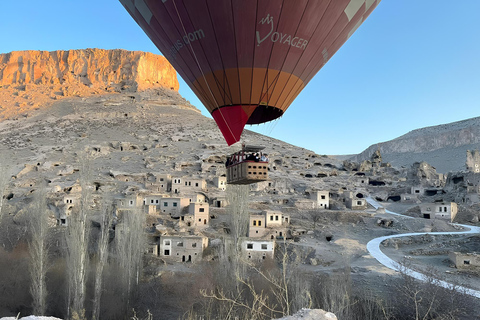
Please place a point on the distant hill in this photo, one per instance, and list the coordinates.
(443, 146)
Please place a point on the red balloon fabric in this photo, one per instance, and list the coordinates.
(247, 60)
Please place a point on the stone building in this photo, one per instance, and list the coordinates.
(162, 183)
(321, 199)
(129, 202)
(353, 202)
(182, 248)
(444, 211)
(268, 224)
(188, 185)
(220, 182)
(174, 206)
(465, 260)
(200, 213)
(258, 250)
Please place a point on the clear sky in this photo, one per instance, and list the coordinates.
(413, 63)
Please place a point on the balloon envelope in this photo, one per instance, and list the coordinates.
(247, 60)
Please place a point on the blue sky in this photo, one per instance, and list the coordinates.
(413, 63)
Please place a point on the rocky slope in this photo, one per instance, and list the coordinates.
(31, 80)
(443, 146)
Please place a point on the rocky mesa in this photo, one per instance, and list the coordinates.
(33, 79)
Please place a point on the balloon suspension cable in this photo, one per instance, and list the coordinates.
(201, 70)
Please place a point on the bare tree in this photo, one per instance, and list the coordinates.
(427, 299)
(38, 249)
(130, 246)
(315, 216)
(4, 179)
(269, 292)
(106, 220)
(237, 196)
(77, 243)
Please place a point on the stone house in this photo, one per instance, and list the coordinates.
(174, 206)
(198, 197)
(220, 182)
(257, 226)
(129, 202)
(408, 198)
(153, 245)
(418, 190)
(182, 248)
(188, 185)
(161, 183)
(258, 250)
(219, 202)
(353, 202)
(194, 185)
(66, 208)
(200, 213)
(321, 199)
(465, 260)
(443, 210)
(268, 224)
(361, 180)
(276, 219)
(153, 202)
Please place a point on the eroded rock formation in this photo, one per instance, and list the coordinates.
(32, 79)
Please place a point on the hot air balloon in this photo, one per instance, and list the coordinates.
(247, 60)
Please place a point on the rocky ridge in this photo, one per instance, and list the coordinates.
(443, 146)
(31, 80)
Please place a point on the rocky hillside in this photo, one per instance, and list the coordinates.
(30, 80)
(443, 146)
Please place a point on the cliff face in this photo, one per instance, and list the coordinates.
(31, 79)
(443, 146)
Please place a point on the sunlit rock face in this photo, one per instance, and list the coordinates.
(32, 79)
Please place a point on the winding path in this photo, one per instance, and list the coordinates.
(373, 247)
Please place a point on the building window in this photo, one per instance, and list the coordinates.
(196, 184)
(151, 201)
(249, 245)
(276, 218)
(165, 204)
(466, 261)
(166, 242)
(271, 218)
(131, 202)
(179, 244)
(323, 197)
(194, 245)
(264, 247)
(166, 252)
(186, 183)
(259, 223)
(201, 210)
(359, 203)
(254, 222)
(174, 204)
